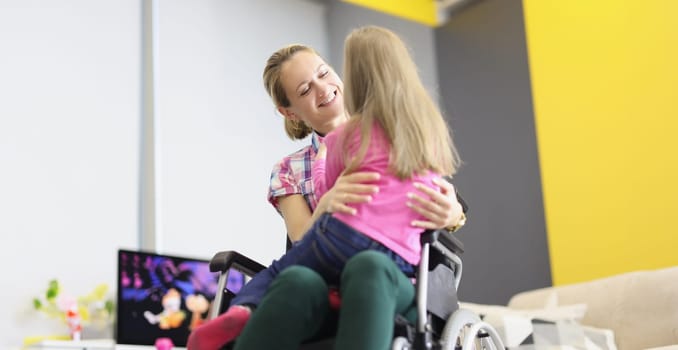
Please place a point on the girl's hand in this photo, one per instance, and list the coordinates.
(351, 188)
(441, 208)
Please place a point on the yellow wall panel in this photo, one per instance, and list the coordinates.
(605, 91)
(422, 11)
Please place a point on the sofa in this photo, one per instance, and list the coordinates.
(641, 307)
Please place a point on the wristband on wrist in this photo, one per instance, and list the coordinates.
(460, 223)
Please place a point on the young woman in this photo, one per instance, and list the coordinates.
(396, 130)
(308, 93)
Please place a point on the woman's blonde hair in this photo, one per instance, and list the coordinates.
(295, 129)
(382, 84)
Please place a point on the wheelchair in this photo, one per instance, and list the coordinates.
(440, 323)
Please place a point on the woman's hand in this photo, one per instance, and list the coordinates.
(350, 188)
(441, 208)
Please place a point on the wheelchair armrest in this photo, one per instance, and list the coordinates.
(222, 261)
(444, 237)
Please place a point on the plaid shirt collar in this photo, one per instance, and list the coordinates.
(316, 140)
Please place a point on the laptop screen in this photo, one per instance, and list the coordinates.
(162, 296)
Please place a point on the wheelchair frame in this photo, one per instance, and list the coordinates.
(463, 329)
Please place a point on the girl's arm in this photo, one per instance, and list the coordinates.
(318, 172)
(352, 188)
(442, 209)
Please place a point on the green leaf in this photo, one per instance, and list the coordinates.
(37, 304)
(109, 306)
(53, 284)
(52, 290)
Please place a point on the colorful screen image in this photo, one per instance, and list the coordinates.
(162, 296)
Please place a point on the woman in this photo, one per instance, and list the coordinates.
(309, 94)
(395, 129)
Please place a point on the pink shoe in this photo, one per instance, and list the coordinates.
(214, 334)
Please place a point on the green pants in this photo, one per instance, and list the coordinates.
(296, 308)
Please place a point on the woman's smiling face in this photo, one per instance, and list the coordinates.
(314, 90)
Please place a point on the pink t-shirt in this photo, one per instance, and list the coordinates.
(386, 218)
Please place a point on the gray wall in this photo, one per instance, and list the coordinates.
(342, 18)
(485, 87)
(476, 65)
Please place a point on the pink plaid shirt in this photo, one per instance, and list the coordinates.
(292, 175)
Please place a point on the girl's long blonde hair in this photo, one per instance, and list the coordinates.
(382, 85)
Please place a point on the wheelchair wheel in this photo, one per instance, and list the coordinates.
(400, 343)
(464, 327)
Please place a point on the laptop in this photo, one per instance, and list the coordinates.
(164, 296)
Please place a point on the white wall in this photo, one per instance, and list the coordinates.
(70, 109)
(69, 130)
(218, 134)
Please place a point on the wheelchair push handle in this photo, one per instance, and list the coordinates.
(444, 237)
(223, 261)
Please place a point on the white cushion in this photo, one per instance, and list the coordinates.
(551, 327)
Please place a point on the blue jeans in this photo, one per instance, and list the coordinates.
(325, 248)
